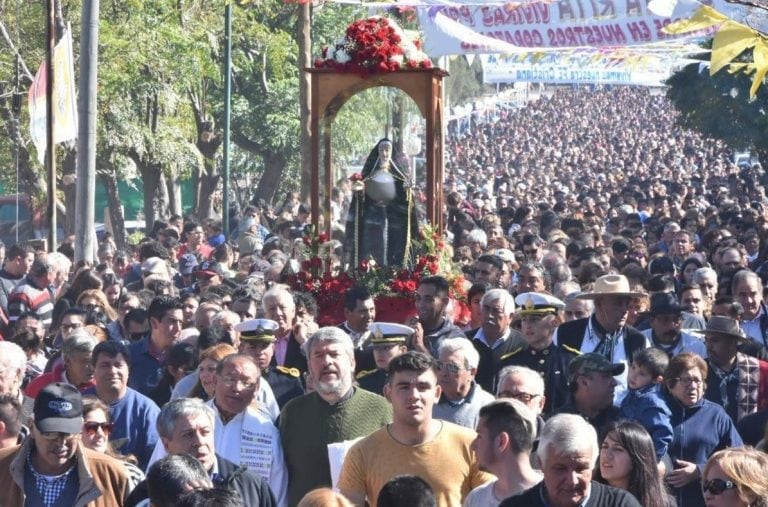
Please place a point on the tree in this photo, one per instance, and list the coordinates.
(718, 106)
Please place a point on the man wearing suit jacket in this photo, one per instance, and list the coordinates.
(291, 332)
(605, 331)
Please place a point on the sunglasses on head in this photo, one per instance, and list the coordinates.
(92, 427)
(717, 486)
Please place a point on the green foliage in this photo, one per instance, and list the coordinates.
(465, 81)
(719, 106)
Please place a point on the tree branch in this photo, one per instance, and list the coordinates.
(27, 76)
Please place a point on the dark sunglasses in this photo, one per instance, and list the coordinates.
(717, 486)
(92, 427)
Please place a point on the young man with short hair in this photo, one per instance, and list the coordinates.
(414, 443)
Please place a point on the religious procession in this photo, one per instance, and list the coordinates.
(413, 254)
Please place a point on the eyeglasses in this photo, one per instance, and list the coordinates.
(52, 436)
(717, 486)
(232, 382)
(93, 427)
(524, 397)
(686, 381)
(451, 368)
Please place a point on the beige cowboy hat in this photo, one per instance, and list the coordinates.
(610, 285)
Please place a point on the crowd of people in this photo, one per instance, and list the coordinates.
(615, 350)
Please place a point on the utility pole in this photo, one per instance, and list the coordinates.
(85, 247)
(305, 100)
(227, 113)
(49, 123)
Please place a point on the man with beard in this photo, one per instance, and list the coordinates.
(735, 381)
(431, 323)
(336, 411)
(666, 317)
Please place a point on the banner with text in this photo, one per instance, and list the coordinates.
(572, 68)
(548, 24)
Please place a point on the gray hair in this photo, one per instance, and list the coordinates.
(588, 303)
(743, 276)
(12, 356)
(275, 293)
(187, 407)
(477, 236)
(507, 301)
(463, 345)
(222, 315)
(568, 434)
(699, 274)
(80, 341)
(61, 261)
(330, 335)
(533, 379)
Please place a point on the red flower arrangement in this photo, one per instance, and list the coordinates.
(374, 45)
(393, 288)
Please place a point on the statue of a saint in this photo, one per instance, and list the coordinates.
(381, 219)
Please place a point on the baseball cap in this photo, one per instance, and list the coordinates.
(187, 263)
(209, 268)
(588, 363)
(59, 408)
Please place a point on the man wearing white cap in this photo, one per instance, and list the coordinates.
(540, 315)
(257, 340)
(605, 332)
(387, 341)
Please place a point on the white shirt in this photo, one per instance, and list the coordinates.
(752, 329)
(252, 440)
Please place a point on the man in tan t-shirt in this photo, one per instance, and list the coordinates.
(414, 443)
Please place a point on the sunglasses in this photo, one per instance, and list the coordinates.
(93, 427)
(451, 368)
(717, 486)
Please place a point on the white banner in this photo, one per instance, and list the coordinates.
(568, 69)
(514, 27)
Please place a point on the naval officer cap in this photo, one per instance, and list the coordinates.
(262, 330)
(537, 303)
(389, 333)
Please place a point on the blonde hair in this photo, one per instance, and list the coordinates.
(324, 497)
(97, 294)
(748, 468)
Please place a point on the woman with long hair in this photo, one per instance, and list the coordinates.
(95, 303)
(628, 462)
(85, 278)
(206, 370)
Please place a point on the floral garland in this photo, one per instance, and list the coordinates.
(374, 45)
(393, 288)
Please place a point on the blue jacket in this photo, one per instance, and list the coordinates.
(647, 407)
(698, 431)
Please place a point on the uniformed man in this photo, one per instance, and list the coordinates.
(387, 341)
(257, 340)
(540, 315)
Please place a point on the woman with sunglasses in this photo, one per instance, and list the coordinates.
(699, 427)
(95, 435)
(736, 478)
(628, 461)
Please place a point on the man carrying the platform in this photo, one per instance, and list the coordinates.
(387, 341)
(540, 315)
(257, 340)
(360, 312)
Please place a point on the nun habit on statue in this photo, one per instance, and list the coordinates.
(381, 219)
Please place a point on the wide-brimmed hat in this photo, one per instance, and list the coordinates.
(611, 285)
(665, 303)
(723, 326)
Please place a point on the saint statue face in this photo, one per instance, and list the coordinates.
(385, 151)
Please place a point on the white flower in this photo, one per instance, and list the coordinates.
(342, 56)
(330, 54)
(398, 59)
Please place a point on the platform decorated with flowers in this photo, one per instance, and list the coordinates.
(374, 45)
(393, 288)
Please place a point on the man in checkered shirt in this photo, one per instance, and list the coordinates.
(52, 467)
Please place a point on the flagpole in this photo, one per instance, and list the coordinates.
(49, 122)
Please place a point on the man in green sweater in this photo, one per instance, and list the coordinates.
(335, 412)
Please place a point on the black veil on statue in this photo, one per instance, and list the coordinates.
(381, 219)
